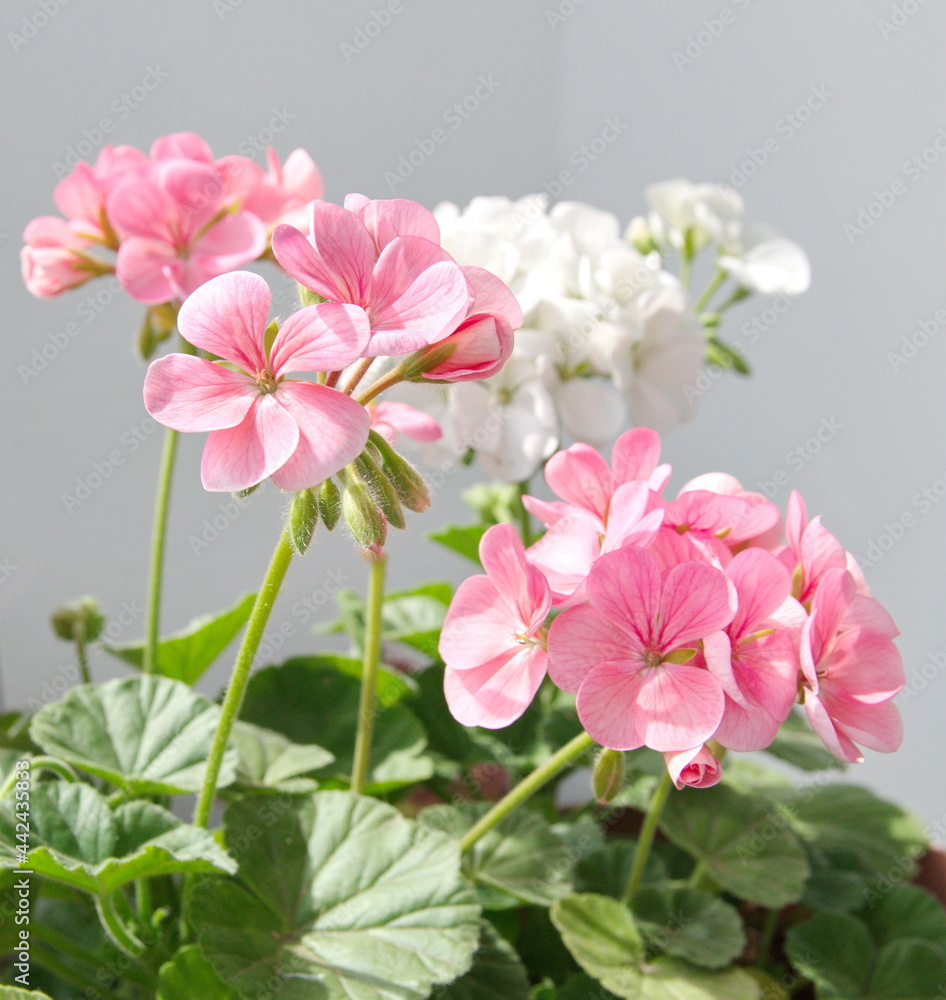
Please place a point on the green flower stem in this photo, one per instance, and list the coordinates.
(369, 675)
(158, 536)
(704, 300)
(357, 375)
(385, 382)
(233, 701)
(646, 838)
(769, 929)
(41, 763)
(121, 937)
(528, 787)
(51, 963)
(525, 521)
(82, 656)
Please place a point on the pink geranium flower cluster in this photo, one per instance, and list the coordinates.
(681, 621)
(174, 218)
(388, 288)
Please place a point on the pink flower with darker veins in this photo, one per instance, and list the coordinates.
(177, 230)
(493, 639)
(261, 423)
(628, 652)
(390, 419)
(385, 258)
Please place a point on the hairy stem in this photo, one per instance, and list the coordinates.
(645, 839)
(369, 674)
(528, 787)
(233, 701)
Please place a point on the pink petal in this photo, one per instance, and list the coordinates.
(762, 583)
(494, 696)
(196, 191)
(236, 239)
(580, 639)
(696, 768)
(320, 338)
(828, 609)
(624, 586)
(237, 458)
(478, 630)
(333, 430)
(298, 258)
(579, 475)
(862, 666)
(865, 612)
(796, 520)
(192, 394)
(766, 671)
(662, 707)
(79, 196)
(181, 145)
(407, 420)
(549, 512)
(745, 728)
(878, 727)
(628, 524)
(696, 601)
(385, 220)
(418, 295)
(820, 721)
(301, 180)
(566, 553)
(521, 585)
(493, 297)
(714, 513)
(139, 207)
(635, 455)
(143, 265)
(481, 349)
(240, 178)
(227, 317)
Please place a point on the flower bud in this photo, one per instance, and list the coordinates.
(364, 520)
(406, 480)
(79, 622)
(608, 777)
(639, 235)
(158, 325)
(413, 367)
(330, 504)
(381, 489)
(303, 518)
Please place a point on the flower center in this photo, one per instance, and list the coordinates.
(652, 658)
(266, 382)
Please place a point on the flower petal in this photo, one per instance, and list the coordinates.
(148, 269)
(697, 600)
(239, 457)
(580, 639)
(227, 317)
(333, 430)
(232, 242)
(193, 394)
(321, 338)
(579, 475)
(495, 695)
(386, 219)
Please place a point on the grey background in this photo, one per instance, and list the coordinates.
(228, 68)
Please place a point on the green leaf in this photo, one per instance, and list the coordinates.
(463, 540)
(838, 880)
(603, 938)
(582, 987)
(909, 970)
(606, 870)
(185, 655)
(311, 703)
(907, 911)
(189, 975)
(697, 926)
(15, 732)
(149, 735)
(270, 762)
(834, 816)
(497, 973)
(835, 951)
(796, 744)
(743, 840)
(521, 856)
(340, 897)
(725, 356)
(669, 979)
(12, 993)
(77, 840)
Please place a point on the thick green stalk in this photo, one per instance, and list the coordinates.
(367, 706)
(233, 701)
(51, 962)
(158, 537)
(121, 937)
(66, 946)
(525, 520)
(527, 788)
(646, 837)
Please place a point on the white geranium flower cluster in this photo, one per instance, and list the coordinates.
(610, 337)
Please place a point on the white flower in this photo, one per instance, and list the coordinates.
(768, 264)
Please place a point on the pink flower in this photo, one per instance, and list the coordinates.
(697, 768)
(261, 423)
(811, 551)
(82, 196)
(390, 419)
(493, 639)
(484, 339)
(761, 524)
(282, 193)
(176, 229)
(384, 257)
(626, 653)
(755, 659)
(54, 258)
(851, 674)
